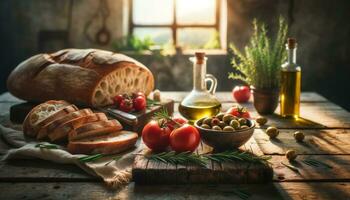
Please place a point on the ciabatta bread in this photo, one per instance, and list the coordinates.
(43, 132)
(61, 132)
(91, 77)
(95, 129)
(43, 114)
(115, 142)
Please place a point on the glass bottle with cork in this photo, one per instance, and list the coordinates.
(201, 102)
(290, 83)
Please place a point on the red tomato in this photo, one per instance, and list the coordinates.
(172, 125)
(126, 105)
(134, 95)
(139, 103)
(118, 99)
(185, 138)
(238, 112)
(156, 137)
(241, 93)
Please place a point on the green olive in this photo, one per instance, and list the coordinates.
(207, 121)
(227, 118)
(222, 124)
(299, 136)
(206, 126)
(235, 124)
(228, 128)
(291, 155)
(242, 121)
(217, 128)
(244, 127)
(220, 116)
(272, 132)
(261, 120)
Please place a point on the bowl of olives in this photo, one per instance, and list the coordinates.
(225, 131)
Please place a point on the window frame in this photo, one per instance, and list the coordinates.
(174, 26)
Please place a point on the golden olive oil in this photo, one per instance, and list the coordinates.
(290, 93)
(290, 83)
(200, 110)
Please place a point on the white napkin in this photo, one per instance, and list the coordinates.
(113, 172)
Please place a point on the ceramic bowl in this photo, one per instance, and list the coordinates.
(226, 139)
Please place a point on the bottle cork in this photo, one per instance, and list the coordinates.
(200, 57)
(291, 43)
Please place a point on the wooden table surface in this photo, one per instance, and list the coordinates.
(327, 130)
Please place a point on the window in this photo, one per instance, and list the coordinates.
(191, 24)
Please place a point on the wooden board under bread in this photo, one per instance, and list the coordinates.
(152, 172)
(130, 121)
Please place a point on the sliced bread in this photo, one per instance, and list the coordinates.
(43, 132)
(61, 132)
(112, 143)
(95, 129)
(39, 114)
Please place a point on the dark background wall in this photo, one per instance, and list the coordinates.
(320, 26)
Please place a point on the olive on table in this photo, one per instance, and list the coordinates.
(220, 116)
(235, 124)
(205, 126)
(272, 132)
(227, 118)
(228, 128)
(261, 120)
(299, 136)
(291, 155)
(217, 128)
(242, 121)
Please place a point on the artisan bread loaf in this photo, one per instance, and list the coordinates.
(61, 132)
(112, 143)
(89, 76)
(43, 114)
(43, 132)
(95, 129)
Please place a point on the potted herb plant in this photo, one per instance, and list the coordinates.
(259, 65)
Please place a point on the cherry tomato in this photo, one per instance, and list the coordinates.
(156, 137)
(139, 103)
(238, 112)
(118, 99)
(241, 93)
(126, 105)
(185, 138)
(134, 95)
(172, 125)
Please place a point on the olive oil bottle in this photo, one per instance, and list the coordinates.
(290, 83)
(201, 102)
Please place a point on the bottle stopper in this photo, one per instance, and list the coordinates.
(291, 43)
(200, 57)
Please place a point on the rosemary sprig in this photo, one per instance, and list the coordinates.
(151, 102)
(90, 158)
(316, 163)
(230, 156)
(113, 159)
(177, 158)
(290, 167)
(46, 146)
(164, 118)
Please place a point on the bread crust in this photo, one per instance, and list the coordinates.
(79, 76)
(123, 140)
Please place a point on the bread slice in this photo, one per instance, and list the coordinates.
(61, 132)
(43, 132)
(95, 129)
(42, 113)
(112, 143)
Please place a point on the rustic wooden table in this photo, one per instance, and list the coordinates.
(327, 129)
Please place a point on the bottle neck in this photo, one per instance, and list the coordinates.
(292, 56)
(199, 72)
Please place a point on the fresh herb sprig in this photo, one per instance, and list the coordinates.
(151, 103)
(316, 163)
(90, 158)
(164, 118)
(230, 156)
(46, 146)
(174, 158)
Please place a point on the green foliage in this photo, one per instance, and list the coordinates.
(214, 42)
(133, 43)
(259, 64)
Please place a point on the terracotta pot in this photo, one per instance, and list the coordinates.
(265, 100)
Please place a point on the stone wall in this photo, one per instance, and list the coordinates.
(320, 26)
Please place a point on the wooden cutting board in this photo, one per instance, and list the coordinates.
(131, 121)
(151, 172)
